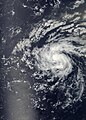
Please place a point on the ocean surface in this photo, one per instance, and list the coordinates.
(43, 60)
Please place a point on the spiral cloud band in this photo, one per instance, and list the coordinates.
(55, 52)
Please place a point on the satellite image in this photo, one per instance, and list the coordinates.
(43, 60)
